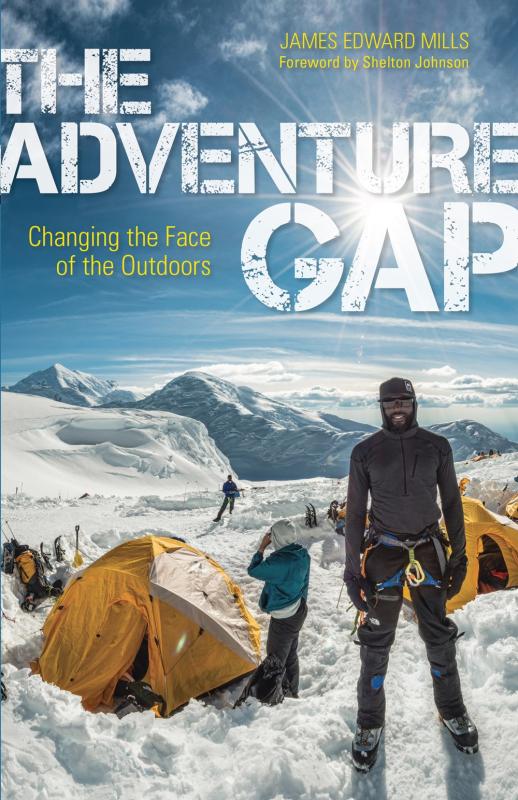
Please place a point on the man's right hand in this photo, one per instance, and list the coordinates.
(355, 584)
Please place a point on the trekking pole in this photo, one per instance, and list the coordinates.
(340, 595)
(78, 558)
(10, 529)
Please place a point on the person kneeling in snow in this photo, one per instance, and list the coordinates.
(286, 576)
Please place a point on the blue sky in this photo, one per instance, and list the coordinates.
(218, 62)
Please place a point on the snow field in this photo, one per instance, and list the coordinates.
(56, 449)
(299, 750)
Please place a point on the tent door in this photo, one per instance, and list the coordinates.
(492, 569)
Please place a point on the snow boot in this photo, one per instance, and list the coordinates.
(365, 747)
(464, 733)
(136, 696)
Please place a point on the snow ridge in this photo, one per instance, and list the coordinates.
(262, 437)
(72, 387)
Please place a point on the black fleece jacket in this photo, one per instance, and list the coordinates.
(402, 471)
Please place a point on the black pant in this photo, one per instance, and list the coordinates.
(283, 641)
(225, 503)
(378, 629)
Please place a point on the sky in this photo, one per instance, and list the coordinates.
(219, 62)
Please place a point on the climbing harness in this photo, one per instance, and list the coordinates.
(413, 574)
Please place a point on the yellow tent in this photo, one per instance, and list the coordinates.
(484, 530)
(511, 508)
(200, 634)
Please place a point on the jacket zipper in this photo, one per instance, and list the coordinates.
(404, 465)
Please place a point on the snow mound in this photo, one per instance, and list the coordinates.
(54, 449)
(491, 480)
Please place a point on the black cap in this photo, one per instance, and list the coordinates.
(396, 387)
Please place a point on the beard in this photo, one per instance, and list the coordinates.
(400, 421)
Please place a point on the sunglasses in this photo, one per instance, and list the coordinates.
(403, 405)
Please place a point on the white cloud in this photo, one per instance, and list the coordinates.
(242, 48)
(464, 390)
(327, 397)
(242, 374)
(179, 99)
(458, 91)
(95, 10)
(185, 17)
(444, 372)
(470, 390)
(247, 373)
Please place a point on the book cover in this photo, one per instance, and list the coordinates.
(223, 226)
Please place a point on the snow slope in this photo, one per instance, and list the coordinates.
(50, 448)
(296, 751)
(71, 386)
(263, 438)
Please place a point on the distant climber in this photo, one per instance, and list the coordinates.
(230, 491)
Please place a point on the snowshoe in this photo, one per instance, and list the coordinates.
(365, 747)
(311, 516)
(8, 557)
(46, 558)
(59, 550)
(463, 732)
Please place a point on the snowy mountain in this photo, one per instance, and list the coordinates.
(468, 437)
(50, 448)
(72, 387)
(263, 438)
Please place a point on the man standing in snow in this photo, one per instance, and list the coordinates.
(284, 595)
(230, 491)
(402, 465)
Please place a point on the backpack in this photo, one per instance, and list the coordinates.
(31, 569)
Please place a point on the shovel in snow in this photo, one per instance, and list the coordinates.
(78, 558)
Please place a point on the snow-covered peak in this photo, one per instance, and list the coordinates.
(199, 392)
(468, 437)
(264, 438)
(71, 386)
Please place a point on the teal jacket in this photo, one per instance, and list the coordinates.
(286, 576)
